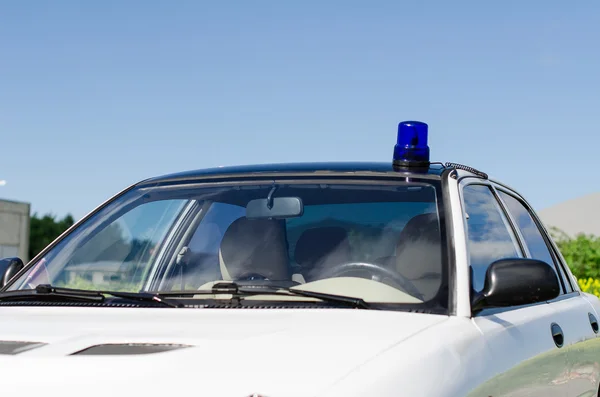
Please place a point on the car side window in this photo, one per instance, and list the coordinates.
(534, 239)
(489, 235)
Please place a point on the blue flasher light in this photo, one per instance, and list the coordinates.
(411, 148)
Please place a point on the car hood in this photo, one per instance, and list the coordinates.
(232, 352)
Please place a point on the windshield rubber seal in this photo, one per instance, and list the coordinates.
(438, 182)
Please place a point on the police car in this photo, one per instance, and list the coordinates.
(402, 278)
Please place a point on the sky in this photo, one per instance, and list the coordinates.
(95, 96)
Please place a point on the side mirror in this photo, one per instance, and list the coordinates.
(514, 282)
(8, 268)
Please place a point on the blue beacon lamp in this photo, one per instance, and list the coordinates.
(411, 148)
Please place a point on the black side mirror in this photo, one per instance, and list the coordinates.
(8, 268)
(514, 282)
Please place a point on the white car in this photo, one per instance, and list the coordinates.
(407, 278)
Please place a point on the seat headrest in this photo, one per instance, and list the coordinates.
(418, 250)
(254, 247)
(321, 246)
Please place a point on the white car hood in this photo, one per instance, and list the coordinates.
(236, 352)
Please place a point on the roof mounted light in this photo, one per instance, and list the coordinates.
(411, 148)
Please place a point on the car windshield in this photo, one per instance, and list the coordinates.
(377, 242)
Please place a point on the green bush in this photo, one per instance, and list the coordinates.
(582, 254)
(590, 285)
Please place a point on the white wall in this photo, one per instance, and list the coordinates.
(14, 229)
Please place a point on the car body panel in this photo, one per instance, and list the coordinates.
(235, 352)
(445, 360)
(519, 338)
(536, 367)
(313, 352)
(583, 370)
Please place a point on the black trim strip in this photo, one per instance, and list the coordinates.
(545, 234)
(372, 176)
(542, 231)
(511, 221)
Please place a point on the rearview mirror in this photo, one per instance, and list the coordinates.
(276, 208)
(514, 282)
(8, 268)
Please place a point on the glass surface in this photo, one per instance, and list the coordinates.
(489, 236)
(379, 243)
(532, 235)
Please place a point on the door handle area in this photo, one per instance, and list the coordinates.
(557, 334)
(593, 322)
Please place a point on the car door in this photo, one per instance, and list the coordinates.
(577, 318)
(525, 342)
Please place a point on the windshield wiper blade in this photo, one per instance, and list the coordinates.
(142, 296)
(238, 291)
(352, 301)
(47, 291)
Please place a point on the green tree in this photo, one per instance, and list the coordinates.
(43, 230)
(581, 252)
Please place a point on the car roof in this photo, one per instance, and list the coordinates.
(322, 168)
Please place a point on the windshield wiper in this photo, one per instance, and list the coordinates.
(238, 291)
(48, 292)
(142, 296)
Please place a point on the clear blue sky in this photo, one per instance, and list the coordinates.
(97, 95)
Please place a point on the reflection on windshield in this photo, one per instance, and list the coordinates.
(188, 238)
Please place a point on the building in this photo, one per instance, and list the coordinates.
(14, 229)
(579, 215)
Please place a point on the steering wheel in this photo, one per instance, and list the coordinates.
(378, 273)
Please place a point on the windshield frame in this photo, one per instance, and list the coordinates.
(437, 181)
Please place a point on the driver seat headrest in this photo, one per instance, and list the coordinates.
(321, 247)
(256, 246)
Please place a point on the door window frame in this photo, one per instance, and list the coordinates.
(505, 220)
(559, 262)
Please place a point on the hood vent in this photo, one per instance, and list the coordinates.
(127, 349)
(16, 347)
